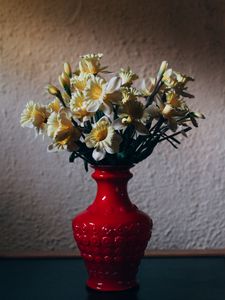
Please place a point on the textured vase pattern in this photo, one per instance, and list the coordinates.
(112, 233)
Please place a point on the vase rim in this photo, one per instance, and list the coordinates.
(114, 167)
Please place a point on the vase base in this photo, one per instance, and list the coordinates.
(111, 286)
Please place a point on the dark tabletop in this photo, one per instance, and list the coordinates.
(199, 278)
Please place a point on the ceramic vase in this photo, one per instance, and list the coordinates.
(112, 233)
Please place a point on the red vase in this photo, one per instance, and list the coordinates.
(112, 233)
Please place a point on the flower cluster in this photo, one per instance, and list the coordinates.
(110, 120)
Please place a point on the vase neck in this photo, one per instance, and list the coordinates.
(112, 186)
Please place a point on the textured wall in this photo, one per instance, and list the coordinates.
(182, 190)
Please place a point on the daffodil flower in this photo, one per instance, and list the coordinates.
(171, 110)
(78, 107)
(173, 79)
(129, 94)
(90, 64)
(127, 76)
(103, 138)
(175, 100)
(79, 83)
(62, 131)
(100, 94)
(91, 111)
(34, 116)
(132, 113)
(147, 90)
(54, 105)
(94, 93)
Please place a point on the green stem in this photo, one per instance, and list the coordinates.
(150, 98)
(179, 132)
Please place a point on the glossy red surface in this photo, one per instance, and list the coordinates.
(112, 233)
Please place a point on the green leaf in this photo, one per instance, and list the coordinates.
(98, 115)
(87, 127)
(198, 115)
(193, 120)
(72, 157)
(67, 89)
(74, 122)
(121, 155)
(86, 165)
(185, 94)
(146, 151)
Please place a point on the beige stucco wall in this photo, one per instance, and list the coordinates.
(182, 190)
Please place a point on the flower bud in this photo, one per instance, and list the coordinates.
(53, 90)
(167, 111)
(67, 69)
(64, 80)
(199, 115)
(65, 83)
(162, 69)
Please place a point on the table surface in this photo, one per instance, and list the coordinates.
(174, 278)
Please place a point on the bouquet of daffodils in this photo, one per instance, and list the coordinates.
(107, 120)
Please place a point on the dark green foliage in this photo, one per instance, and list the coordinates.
(98, 115)
(87, 127)
(72, 157)
(86, 165)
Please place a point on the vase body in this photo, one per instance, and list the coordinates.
(112, 233)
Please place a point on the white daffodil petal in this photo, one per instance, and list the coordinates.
(89, 142)
(108, 148)
(107, 109)
(143, 85)
(153, 81)
(117, 124)
(115, 97)
(93, 106)
(114, 145)
(105, 119)
(110, 145)
(113, 85)
(98, 154)
(53, 124)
